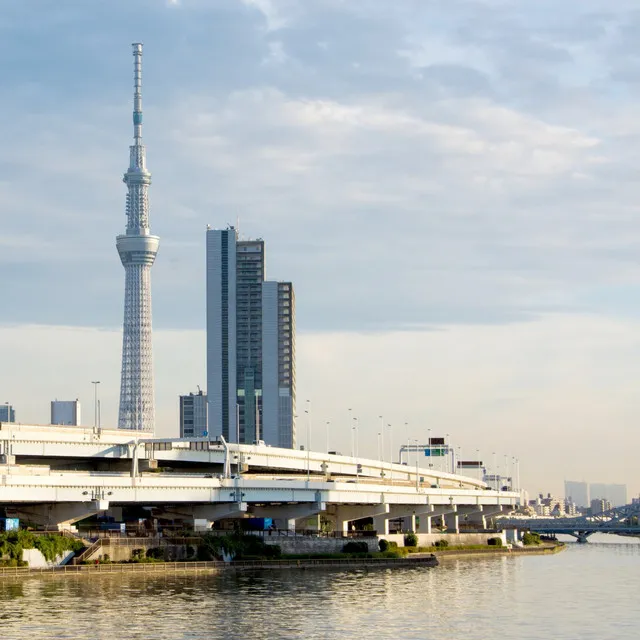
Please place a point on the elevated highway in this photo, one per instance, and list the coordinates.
(55, 476)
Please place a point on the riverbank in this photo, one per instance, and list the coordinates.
(532, 550)
(428, 560)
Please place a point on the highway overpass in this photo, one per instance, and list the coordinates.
(55, 476)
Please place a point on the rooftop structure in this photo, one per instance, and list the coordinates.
(137, 249)
(65, 412)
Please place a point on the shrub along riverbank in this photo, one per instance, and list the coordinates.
(12, 543)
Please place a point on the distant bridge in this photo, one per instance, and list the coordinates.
(622, 521)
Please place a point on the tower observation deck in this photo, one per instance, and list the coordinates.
(137, 249)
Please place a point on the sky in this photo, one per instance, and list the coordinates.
(452, 186)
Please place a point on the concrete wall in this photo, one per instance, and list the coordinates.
(312, 544)
(35, 558)
(120, 553)
(427, 539)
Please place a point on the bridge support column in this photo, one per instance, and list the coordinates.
(473, 515)
(407, 512)
(452, 520)
(424, 519)
(491, 510)
(60, 515)
(344, 514)
(442, 511)
(582, 537)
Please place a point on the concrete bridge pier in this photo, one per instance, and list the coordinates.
(475, 515)
(448, 515)
(407, 512)
(345, 514)
(61, 515)
(582, 537)
(423, 519)
(452, 520)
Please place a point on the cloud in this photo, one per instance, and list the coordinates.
(271, 11)
(461, 171)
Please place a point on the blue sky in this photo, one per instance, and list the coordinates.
(424, 171)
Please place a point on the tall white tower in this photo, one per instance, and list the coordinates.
(137, 249)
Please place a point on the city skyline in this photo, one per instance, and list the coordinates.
(471, 196)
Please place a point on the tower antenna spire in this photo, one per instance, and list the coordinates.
(137, 92)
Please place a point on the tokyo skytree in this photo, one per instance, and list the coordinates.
(137, 249)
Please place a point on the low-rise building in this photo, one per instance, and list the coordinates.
(193, 415)
(7, 413)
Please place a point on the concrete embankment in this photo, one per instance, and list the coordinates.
(428, 560)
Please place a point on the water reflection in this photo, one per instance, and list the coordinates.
(586, 592)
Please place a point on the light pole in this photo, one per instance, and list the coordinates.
(379, 454)
(406, 428)
(382, 432)
(350, 423)
(308, 412)
(495, 478)
(95, 384)
(357, 431)
(328, 422)
(390, 452)
(417, 476)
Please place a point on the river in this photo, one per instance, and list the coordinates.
(588, 591)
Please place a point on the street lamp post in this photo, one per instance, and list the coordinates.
(390, 452)
(357, 431)
(406, 428)
(328, 422)
(308, 412)
(95, 384)
(495, 477)
(417, 476)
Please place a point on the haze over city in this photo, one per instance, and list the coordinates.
(454, 196)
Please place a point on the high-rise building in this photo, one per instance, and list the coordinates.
(616, 494)
(137, 249)
(250, 344)
(577, 493)
(193, 415)
(65, 412)
(7, 413)
(221, 333)
(250, 276)
(278, 364)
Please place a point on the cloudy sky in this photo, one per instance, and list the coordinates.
(452, 185)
